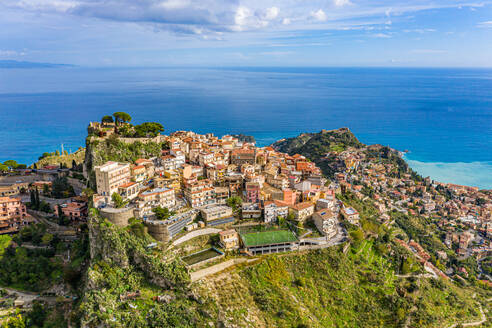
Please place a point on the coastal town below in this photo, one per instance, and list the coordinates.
(215, 203)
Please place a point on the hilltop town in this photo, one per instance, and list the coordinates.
(208, 204)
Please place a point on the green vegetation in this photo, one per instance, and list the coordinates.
(118, 200)
(66, 159)
(327, 288)
(315, 146)
(121, 117)
(121, 264)
(113, 149)
(107, 119)
(29, 269)
(162, 213)
(235, 202)
(61, 188)
(268, 237)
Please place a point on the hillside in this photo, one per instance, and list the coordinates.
(98, 151)
(65, 159)
(325, 288)
(316, 146)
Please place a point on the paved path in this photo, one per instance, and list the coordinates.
(196, 233)
(197, 275)
(474, 323)
(27, 297)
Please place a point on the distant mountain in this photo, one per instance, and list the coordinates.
(25, 64)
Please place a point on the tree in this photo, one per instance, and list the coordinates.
(148, 129)
(4, 168)
(36, 200)
(235, 202)
(118, 200)
(74, 164)
(11, 164)
(107, 119)
(33, 198)
(88, 192)
(357, 235)
(47, 238)
(121, 117)
(162, 213)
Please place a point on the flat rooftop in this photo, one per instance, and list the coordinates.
(268, 237)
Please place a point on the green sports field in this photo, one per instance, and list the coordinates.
(267, 237)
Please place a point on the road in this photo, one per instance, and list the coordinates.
(196, 233)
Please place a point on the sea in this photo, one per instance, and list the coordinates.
(443, 117)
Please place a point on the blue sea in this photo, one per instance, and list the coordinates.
(442, 116)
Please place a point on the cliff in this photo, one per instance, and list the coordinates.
(121, 263)
(100, 150)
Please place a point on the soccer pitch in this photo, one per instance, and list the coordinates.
(267, 237)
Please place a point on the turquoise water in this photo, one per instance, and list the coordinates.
(443, 116)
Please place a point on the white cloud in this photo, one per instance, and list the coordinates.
(381, 35)
(341, 3)
(270, 13)
(319, 15)
(210, 17)
(485, 24)
(11, 53)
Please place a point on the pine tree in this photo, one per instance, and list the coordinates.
(33, 198)
(37, 201)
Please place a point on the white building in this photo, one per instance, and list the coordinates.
(110, 176)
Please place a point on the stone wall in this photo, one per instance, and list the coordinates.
(158, 231)
(117, 216)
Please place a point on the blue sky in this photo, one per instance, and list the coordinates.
(248, 33)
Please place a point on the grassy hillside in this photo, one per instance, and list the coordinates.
(327, 288)
(65, 159)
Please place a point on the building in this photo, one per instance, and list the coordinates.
(273, 209)
(129, 191)
(75, 211)
(199, 193)
(215, 212)
(351, 215)
(13, 215)
(229, 239)
(9, 189)
(139, 173)
(243, 156)
(251, 211)
(150, 199)
(110, 176)
(252, 192)
(326, 222)
(221, 194)
(302, 211)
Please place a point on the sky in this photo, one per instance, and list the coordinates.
(414, 33)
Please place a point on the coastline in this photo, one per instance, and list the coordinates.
(473, 174)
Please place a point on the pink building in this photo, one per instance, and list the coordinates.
(13, 215)
(252, 192)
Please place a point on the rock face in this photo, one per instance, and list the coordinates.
(100, 150)
(121, 261)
